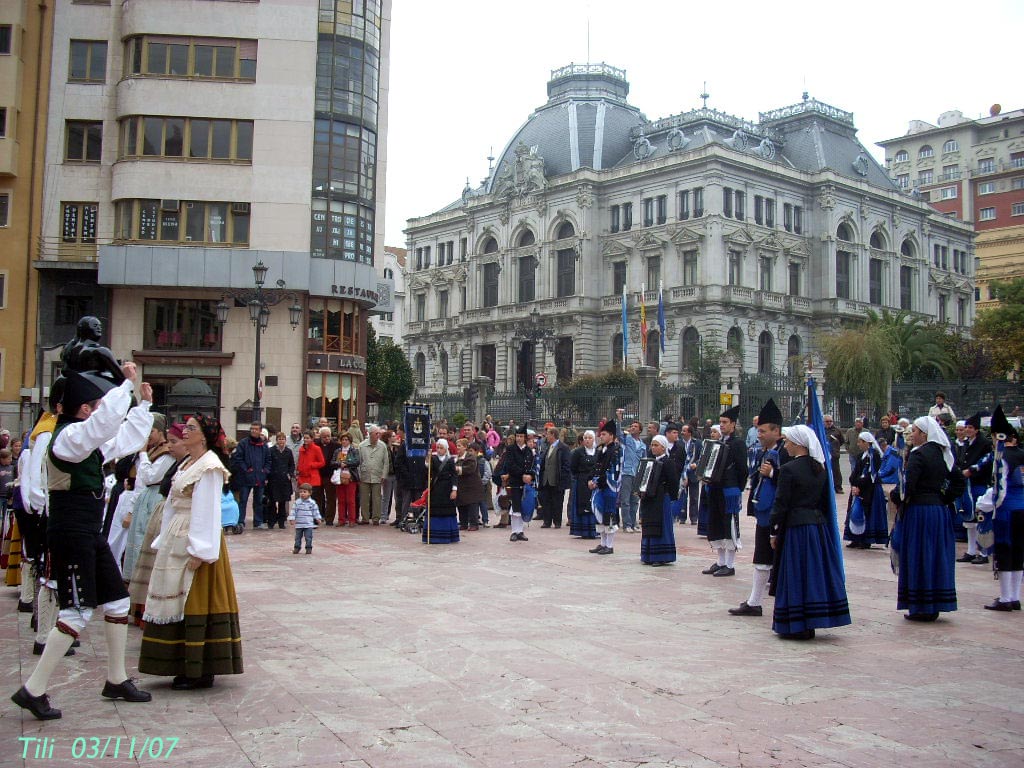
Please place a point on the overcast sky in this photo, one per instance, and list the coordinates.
(466, 74)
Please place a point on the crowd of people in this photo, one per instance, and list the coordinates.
(151, 548)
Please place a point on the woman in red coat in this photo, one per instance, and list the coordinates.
(311, 458)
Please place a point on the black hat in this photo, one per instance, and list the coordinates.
(974, 421)
(609, 427)
(81, 388)
(732, 414)
(673, 426)
(56, 393)
(770, 414)
(521, 430)
(1000, 426)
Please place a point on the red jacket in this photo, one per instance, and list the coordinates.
(311, 458)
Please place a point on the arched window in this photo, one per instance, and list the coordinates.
(565, 230)
(844, 233)
(490, 245)
(925, 152)
(617, 350)
(764, 353)
(793, 353)
(902, 156)
(653, 349)
(907, 249)
(951, 146)
(877, 241)
(734, 342)
(690, 349)
(420, 365)
(526, 238)
(442, 361)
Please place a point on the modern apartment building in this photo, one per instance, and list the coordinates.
(973, 170)
(189, 141)
(25, 31)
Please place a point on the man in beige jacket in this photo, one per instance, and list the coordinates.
(373, 466)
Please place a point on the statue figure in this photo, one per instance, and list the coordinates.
(84, 353)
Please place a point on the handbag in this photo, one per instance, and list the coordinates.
(336, 476)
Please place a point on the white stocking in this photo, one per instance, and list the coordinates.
(1006, 587)
(721, 557)
(1017, 577)
(517, 523)
(730, 558)
(57, 644)
(46, 613)
(116, 631)
(610, 539)
(761, 576)
(972, 539)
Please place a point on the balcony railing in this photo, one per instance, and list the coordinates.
(55, 249)
(951, 176)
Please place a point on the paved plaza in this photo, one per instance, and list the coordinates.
(380, 651)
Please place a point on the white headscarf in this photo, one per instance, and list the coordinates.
(661, 440)
(868, 438)
(936, 434)
(590, 451)
(804, 435)
(447, 451)
(714, 429)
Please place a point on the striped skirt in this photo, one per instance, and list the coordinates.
(927, 580)
(443, 530)
(810, 592)
(663, 548)
(10, 554)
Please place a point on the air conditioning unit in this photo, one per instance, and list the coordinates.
(240, 209)
(170, 205)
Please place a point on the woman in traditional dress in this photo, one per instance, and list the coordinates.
(151, 466)
(441, 523)
(808, 582)
(865, 485)
(923, 536)
(191, 617)
(658, 540)
(582, 522)
(161, 514)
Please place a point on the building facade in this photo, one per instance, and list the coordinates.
(25, 41)
(390, 325)
(973, 170)
(190, 140)
(759, 235)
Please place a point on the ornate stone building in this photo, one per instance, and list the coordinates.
(761, 234)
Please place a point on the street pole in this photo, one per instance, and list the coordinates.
(256, 409)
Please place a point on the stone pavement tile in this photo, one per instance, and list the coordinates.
(302, 742)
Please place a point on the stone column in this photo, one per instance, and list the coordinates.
(484, 389)
(646, 375)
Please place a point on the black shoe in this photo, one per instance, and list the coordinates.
(76, 643)
(980, 560)
(712, 569)
(1016, 605)
(921, 616)
(966, 557)
(24, 607)
(747, 610)
(546, 525)
(725, 571)
(182, 683)
(295, 551)
(125, 690)
(37, 649)
(37, 705)
(514, 537)
(596, 550)
(522, 537)
(997, 605)
(607, 551)
(807, 634)
(853, 545)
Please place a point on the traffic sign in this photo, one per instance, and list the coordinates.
(725, 399)
(541, 380)
(259, 387)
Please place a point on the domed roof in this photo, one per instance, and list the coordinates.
(584, 124)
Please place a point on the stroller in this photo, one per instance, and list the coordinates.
(229, 514)
(413, 521)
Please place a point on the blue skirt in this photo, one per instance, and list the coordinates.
(582, 522)
(810, 592)
(443, 530)
(876, 522)
(663, 548)
(927, 581)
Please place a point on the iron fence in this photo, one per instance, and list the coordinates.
(788, 392)
(914, 398)
(685, 401)
(583, 408)
(444, 405)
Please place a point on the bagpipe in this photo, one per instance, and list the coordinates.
(529, 502)
(762, 496)
(985, 508)
(605, 501)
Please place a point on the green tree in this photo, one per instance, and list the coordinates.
(861, 362)
(1001, 329)
(919, 346)
(388, 371)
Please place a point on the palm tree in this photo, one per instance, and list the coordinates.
(861, 361)
(917, 345)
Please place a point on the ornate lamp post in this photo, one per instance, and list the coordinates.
(259, 301)
(533, 330)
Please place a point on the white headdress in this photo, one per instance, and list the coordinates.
(804, 435)
(661, 440)
(936, 434)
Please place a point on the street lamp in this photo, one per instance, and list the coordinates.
(259, 302)
(532, 329)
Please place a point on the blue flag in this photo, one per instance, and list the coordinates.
(661, 318)
(416, 419)
(816, 421)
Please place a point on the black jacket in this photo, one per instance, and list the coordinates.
(926, 472)
(971, 454)
(735, 462)
(443, 481)
(410, 471)
(515, 463)
(802, 495)
(561, 459)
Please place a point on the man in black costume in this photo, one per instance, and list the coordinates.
(724, 498)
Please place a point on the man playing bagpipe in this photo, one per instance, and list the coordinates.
(724, 498)
(975, 461)
(770, 456)
(605, 485)
(1001, 515)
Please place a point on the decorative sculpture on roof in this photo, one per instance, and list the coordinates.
(738, 141)
(642, 148)
(677, 139)
(523, 177)
(766, 149)
(860, 165)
